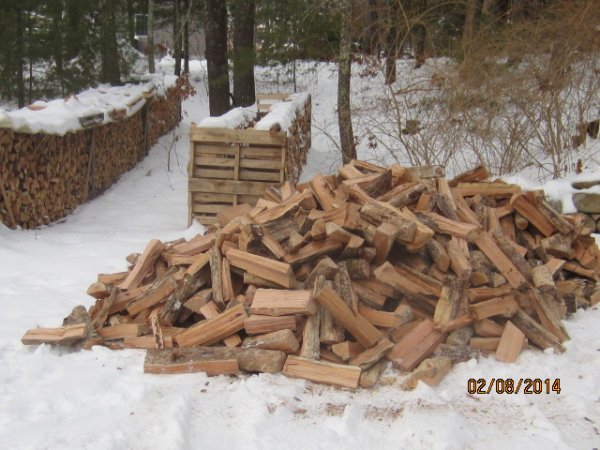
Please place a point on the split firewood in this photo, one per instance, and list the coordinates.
(431, 371)
(510, 344)
(282, 340)
(322, 372)
(67, 335)
(144, 263)
(331, 279)
(417, 345)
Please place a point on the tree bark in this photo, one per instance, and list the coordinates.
(58, 43)
(420, 36)
(110, 51)
(186, 36)
(177, 35)
(150, 39)
(345, 65)
(372, 37)
(243, 52)
(469, 22)
(30, 57)
(20, 59)
(216, 57)
(392, 43)
(73, 30)
(130, 23)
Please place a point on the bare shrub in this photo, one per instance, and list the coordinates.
(519, 98)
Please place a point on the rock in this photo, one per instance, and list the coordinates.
(585, 184)
(587, 203)
(555, 203)
(258, 360)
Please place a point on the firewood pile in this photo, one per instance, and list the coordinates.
(44, 177)
(333, 279)
(298, 141)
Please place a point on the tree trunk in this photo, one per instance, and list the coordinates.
(150, 39)
(420, 36)
(372, 37)
(130, 23)
(110, 51)
(392, 43)
(20, 59)
(186, 36)
(73, 29)
(30, 57)
(243, 52)
(177, 35)
(345, 64)
(57, 42)
(469, 22)
(488, 7)
(216, 57)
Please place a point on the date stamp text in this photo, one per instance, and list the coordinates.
(527, 386)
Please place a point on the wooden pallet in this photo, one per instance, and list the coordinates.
(264, 102)
(230, 166)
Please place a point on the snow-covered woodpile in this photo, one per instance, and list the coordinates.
(57, 155)
(333, 279)
(235, 157)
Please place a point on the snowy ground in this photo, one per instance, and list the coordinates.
(100, 399)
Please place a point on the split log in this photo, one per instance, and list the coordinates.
(214, 330)
(212, 361)
(511, 343)
(431, 371)
(145, 263)
(417, 345)
(67, 335)
(277, 272)
(257, 324)
(322, 372)
(355, 323)
(282, 340)
(277, 302)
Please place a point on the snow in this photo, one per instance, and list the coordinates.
(62, 115)
(235, 118)
(283, 113)
(100, 399)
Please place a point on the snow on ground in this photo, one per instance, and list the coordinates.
(52, 398)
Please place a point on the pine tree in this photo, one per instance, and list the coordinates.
(344, 75)
(243, 12)
(216, 57)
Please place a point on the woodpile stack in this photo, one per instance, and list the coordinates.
(165, 113)
(333, 279)
(298, 142)
(44, 177)
(234, 165)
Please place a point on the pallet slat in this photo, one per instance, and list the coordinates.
(228, 186)
(261, 152)
(260, 164)
(214, 161)
(237, 136)
(251, 175)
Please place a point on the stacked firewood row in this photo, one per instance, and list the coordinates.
(45, 177)
(333, 279)
(164, 113)
(298, 142)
